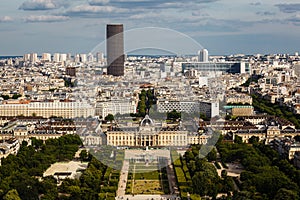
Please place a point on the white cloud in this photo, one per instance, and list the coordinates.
(93, 9)
(294, 19)
(255, 4)
(38, 5)
(6, 19)
(98, 2)
(147, 15)
(45, 18)
(96, 11)
(158, 4)
(289, 8)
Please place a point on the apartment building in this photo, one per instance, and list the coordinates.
(47, 109)
(115, 107)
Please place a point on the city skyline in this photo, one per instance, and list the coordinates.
(223, 27)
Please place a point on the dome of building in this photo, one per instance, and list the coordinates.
(147, 121)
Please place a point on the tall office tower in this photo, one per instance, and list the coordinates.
(63, 57)
(297, 70)
(26, 57)
(69, 57)
(77, 58)
(83, 58)
(90, 57)
(9, 61)
(56, 57)
(115, 49)
(46, 57)
(203, 55)
(100, 57)
(33, 57)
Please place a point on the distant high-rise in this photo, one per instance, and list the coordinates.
(115, 49)
(69, 57)
(83, 57)
(46, 57)
(63, 57)
(77, 58)
(297, 70)
(100, 57)
(56, 57)
(26, 57)
(33, 57)
(203, 55)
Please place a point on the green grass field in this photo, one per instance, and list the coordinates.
(147, 187)
(147, 179)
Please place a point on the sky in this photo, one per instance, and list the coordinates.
(224, 27)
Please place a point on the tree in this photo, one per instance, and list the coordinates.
(238, 139)
(16, 96)
(19, 171)
(242, 195)
(253, 140)
(204, 117)
(49, 188)
(36, 143)
(174, 115)
(212, 155)
(150, 97)
(227, 117)
(5, 97)
(142, 107)
(223, 173)
(285, 194)
(74, 191)
(227, 184)
(109, 117)
(269, 180)
(12, 195)
(83, 155)
(204, 182)
(297, 138)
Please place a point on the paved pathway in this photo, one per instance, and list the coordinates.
(147, 197)
(123, 179)
(172, 178)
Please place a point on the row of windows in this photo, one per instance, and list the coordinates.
(13, 112)
(45, 106)
(132, 143)
(159, 140)
(177, 137)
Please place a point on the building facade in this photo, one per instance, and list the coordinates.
(47, 109)
(115, 107)
(152, 135)
(203, 55)
(9, 146)
(210, 109)
(115, 49)
(228, 67)
(164, 106)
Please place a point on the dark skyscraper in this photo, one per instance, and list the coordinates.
(115, 49)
